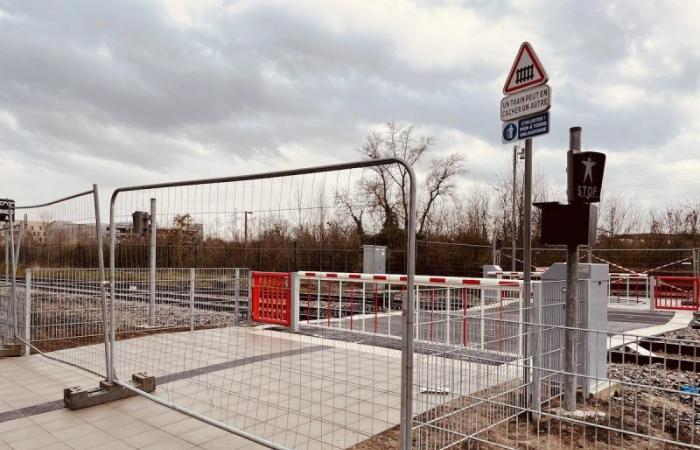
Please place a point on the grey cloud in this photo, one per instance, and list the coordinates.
(118, 81)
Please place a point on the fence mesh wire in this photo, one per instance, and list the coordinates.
(294, 390)
(488, 364)
(57, 303)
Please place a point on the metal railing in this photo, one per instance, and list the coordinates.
(629, 288)
(448, 310)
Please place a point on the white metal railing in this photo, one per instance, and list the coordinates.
(629, 288)
(477, 313)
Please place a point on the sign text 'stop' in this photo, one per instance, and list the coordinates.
(527, 71)
(587, 172)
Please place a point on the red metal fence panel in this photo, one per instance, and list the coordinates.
(272, 298)
(680, 293)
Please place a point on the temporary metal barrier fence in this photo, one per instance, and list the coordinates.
(643, 399)
(276, 388)
(62, 233)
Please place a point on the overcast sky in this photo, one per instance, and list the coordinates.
(130, 92)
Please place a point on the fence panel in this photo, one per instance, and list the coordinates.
(59, 299)
(273, 386)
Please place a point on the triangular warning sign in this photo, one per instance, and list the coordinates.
(527, 71)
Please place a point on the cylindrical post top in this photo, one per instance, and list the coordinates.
(575, 139)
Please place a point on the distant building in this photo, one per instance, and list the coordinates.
(193, 232)
(55, 232)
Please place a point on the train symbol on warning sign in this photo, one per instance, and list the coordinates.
(527, 71)
(525, 74)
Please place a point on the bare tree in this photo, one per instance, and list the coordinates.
(439, 183)
(618, 213)
(503, 201)
(388, 190)
(353, 210)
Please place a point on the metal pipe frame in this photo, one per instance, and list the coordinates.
(408, 309)
(70, 197)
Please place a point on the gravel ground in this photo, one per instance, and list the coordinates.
(62, 321)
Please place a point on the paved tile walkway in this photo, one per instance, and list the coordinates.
(298, 391)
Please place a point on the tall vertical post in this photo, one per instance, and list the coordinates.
(27, 312)
(527, 244)
(408, 316)
(494, 250)
(111, 375)
(536, 350)
(245, 226)
(527, 220)
(513, 227)
(101, 268)
(571, 284)
(7, 254)
(13, 275)
(152, 268)
(192, 285)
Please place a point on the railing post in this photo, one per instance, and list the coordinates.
(318, 300)
(27, 313)
(237, 288)
(363, 306)
(536, 351)
(295, 303)
(249, 278)
(483, 321)
(192, 285)
(340, 304)
(448, 339)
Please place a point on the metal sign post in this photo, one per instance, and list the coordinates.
(527, 213)
(571, 287)
(525, 114)
(514, 228)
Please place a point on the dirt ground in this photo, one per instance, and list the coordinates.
(621, 422)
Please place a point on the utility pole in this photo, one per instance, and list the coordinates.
(245, 226)
(571, 282)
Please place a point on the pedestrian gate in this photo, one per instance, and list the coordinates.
(678, 293)
(272, 298)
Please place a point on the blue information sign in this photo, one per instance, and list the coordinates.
(527, 127)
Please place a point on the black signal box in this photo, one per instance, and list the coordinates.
(572, 224)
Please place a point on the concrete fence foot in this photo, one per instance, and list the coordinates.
(11, 350)
(77, 397)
